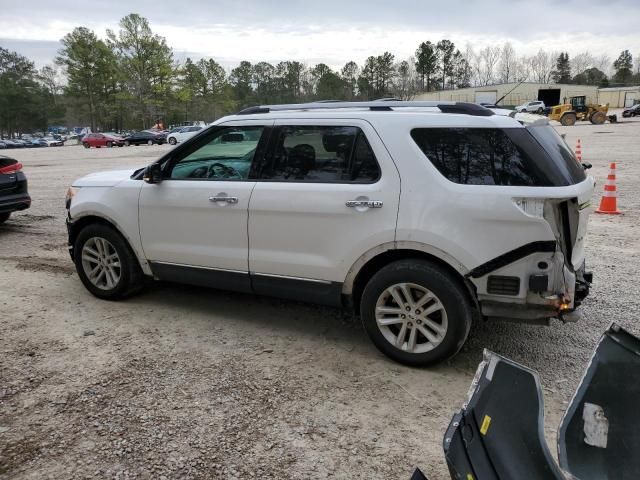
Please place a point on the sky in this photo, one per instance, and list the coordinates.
(331, 31)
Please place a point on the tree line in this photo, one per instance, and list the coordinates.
(131, 80)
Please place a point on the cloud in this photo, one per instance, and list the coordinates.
(335, 31)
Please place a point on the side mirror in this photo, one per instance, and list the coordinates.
(586, 165)
(153, 173)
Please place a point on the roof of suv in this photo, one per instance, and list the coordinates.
(450, 113)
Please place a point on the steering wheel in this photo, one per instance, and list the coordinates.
(219, 170)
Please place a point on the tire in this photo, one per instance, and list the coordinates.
(127, 143)
(598, 118)
(539, 111)
(86, 145)
(149, 142)
(448, 324)
(4, 217)
(568, 119)
(129, 275)
(172, 141)
(109, 144)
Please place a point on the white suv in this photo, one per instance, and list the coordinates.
(183, 134)
(420, 216)
(531, 107)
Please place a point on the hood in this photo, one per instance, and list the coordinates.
(104, 179)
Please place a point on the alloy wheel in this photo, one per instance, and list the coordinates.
(101, 263)
(411, 317)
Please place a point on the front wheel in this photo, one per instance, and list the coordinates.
(109, 144)
(86, 145)
(568, 119)
(598, 118)
(105, 263)
(127, 143)
(415, 312)
(172, 141)
(149, 142)
(4, 217)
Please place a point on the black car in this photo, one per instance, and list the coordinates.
(145, 138)
(13, 143)
(13, 188)
(631, 111)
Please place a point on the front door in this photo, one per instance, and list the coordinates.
(193, 224)
(327, 192)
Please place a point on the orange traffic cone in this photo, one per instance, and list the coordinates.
(579, 151)
(608, 204)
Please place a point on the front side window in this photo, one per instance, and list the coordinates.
(490, 156)
(321, 154)
(226, 156)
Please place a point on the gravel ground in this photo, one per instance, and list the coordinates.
(181, 382)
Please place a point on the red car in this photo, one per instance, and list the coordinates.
(101, 140)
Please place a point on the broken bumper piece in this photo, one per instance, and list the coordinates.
(499, 432)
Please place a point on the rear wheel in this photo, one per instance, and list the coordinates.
(109, 144)
(172, 140)
(415, 312)
(568, 119)
(539, 111)
(598, 118)
(86, 145)
(106, 264)
(127, 143)
(149, 142)
(4, 217)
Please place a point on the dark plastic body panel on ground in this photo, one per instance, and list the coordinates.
(499, 433)
(599, 435)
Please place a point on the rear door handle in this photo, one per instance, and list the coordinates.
(224, 199)
(364, 203)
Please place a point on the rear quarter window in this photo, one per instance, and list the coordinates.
(500, 157)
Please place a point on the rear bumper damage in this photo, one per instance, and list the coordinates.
(499, 433)
(531, 284)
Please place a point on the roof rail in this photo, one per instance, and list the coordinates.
(384, 105)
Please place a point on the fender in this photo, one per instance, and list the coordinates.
(134, 245)
(347, 286)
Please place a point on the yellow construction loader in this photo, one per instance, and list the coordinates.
(567, 114)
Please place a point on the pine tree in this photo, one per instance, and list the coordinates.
(623, 66)
(562, 73)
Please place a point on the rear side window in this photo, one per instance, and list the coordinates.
(321, 154)
(490, 156)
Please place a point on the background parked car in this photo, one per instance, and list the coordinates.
(30, 141)
(13, 144)
(631, 111)
(531, 107)
(183, 134)
(13, 188)
(145, 137)
(102, 140)
(53, 142)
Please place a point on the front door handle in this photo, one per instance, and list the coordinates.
(224, 199)
(364, 203)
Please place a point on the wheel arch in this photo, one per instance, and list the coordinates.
(79, 223)
(375, 259)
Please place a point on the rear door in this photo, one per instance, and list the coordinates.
(327, 192)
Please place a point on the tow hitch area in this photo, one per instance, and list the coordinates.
(499, 432)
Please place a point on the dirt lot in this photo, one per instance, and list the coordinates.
(181, 382)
